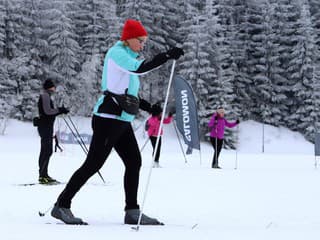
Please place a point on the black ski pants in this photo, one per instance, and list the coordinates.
(217, 146)
(107, 134)
(45, 131)
(153, 143)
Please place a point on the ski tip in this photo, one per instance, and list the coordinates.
(194, 226)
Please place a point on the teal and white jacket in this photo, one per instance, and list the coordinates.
(120, 75)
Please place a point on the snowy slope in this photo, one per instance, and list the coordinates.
(273, 195)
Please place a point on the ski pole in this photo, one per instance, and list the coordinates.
(156, 147)
(236, 162)
(216, 144)
(74, 135)
(81, 143)
(75, 128)
(175, 128)
(144, 145)
(42, 214)
(216, 150)
(139, 126)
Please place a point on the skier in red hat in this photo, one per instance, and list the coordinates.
(111, 122)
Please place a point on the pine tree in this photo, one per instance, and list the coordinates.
(238, 48)
(197, 64)
(34, 70)
(277, 103)
(315, 18)
(8, 92)
(97, 26)
(260, 94)
(225, 62)
(259, 59)
(288, 58)
(2, 28)
(63, 46)
(306, 113)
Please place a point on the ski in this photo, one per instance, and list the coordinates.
(61, 223)
(57, 183)
(34, 184)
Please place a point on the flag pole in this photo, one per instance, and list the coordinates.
(184, 155)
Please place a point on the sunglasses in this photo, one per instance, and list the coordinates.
(141, 41)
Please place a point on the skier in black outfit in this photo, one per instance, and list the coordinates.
(47, 113)
(111, 123)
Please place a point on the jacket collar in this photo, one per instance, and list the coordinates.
(128, 49)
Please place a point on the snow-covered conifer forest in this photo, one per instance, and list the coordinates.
(259, 59)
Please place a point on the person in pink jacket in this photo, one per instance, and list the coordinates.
(217, 125)
(153, 124)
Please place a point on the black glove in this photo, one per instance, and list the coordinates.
(63, 110)
(145, 105)
(238, 121)
(174, 53)
(170, 114)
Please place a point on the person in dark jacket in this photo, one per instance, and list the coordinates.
(47, 113)
(111, 122)
(217, 125)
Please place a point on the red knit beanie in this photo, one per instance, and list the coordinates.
(133, 29)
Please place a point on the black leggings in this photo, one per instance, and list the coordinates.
(108, 134)
(217, 146)
(45, 131)
(153, 143)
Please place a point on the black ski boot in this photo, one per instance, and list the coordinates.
(132, 217)
(48, 180)
(66, 216)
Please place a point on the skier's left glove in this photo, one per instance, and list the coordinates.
(174, 53)
(63, 110)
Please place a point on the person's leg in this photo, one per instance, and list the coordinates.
(128, 149)
(153, 143)
(105, 133)
(158, 151)
(214, 145)
(219, 147)
(45, 133)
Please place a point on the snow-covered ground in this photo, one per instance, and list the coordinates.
(271, 195)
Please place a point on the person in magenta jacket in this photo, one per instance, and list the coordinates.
(153, 127)
(217, 125)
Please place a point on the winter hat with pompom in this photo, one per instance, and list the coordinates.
(132, 29)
